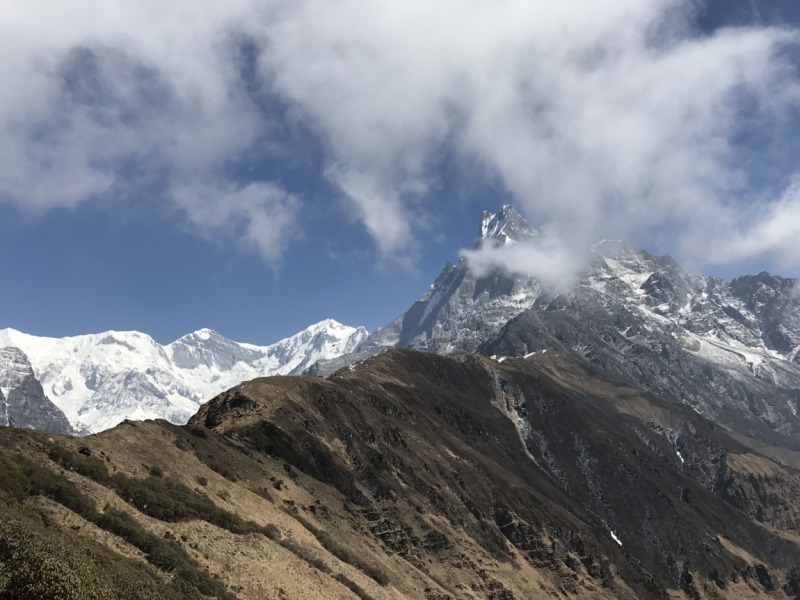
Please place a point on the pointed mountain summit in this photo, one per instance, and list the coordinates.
(505, 228)
(461, 309)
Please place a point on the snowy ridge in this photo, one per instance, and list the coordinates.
(99, 380)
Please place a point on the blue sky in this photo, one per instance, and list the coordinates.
(93, 269)
(280, 163)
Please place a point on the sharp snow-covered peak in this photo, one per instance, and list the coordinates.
(99, 380)
(504, 228)
(323, 341)
(203, 334)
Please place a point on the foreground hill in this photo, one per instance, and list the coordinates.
(409, 475)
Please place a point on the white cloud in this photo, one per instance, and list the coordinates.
(776, 230)
(93, 91)
(554, 262)
(262, 214)
(603, 119)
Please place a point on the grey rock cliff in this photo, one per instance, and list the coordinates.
(24, 403)
(727, 350)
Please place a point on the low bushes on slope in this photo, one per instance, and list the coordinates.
(169, 500)
(20, 478)
(160, 497)
(39, 559)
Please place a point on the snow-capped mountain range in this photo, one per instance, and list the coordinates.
(729, 349)
(99, 380)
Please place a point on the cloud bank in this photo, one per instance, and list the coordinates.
(613, 118)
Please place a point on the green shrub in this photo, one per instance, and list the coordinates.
(211, 462)
(165, 554)
(43, 482)
(169, 500)
(264, 493)
(272, 532)
(305, 554)
(184, 444)
(20, 477)
(89, 466)
(162, 498)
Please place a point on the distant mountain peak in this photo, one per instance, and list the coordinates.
(504, 228)
(206, 334)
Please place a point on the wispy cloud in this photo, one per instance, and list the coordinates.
(261, 214)
(602, 119)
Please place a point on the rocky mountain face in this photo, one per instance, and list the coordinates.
(22, 399)
(729, 350)
(100, 380)
(543, 461)
(774, 302)
(412, 475)
(460, 310)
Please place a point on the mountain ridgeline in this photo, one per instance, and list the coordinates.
(635, 438)
(411, 475)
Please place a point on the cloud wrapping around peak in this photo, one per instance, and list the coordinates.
(613, 118)
(556, 264)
